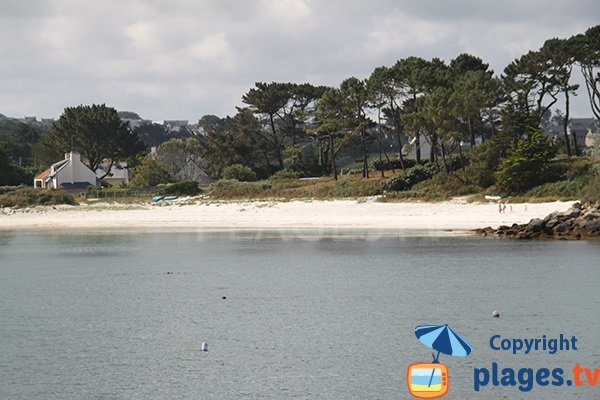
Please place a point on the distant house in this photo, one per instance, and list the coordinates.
(175, 125)
(191, 170)
(582, 128)
(69, 174)
(118, 174)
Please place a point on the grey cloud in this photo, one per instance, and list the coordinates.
(185, 58)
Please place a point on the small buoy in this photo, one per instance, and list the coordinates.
(495, 314)
(204, 346)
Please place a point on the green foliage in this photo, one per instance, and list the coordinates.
(18, 142)
(13, 174)
(567, 189)
(484, 159)
(409, 178)
(573, 169)
(591, 192)
(285, 174)
(151, 134)
(419, 173)
(345, 187)
(396, 183)
(97, 132)
(527, 165)
(283, 108)
(439, 187)
(26, 197)
(181, 157)
(385, 165)
(7, 189)
(150, 172)
(239, 172)
(187, 187)
(239, 141)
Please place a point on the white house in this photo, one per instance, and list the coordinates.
(69, 173)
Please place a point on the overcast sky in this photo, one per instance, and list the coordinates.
(181, 59)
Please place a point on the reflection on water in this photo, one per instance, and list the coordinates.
(286, 314)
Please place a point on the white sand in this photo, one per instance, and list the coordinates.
(455, 215)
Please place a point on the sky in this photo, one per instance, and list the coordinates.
(182, 59)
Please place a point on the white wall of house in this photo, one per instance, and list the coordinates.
(73, 172)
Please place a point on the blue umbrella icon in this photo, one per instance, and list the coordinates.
(444, 340)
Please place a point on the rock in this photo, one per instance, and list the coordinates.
(590, 225)
(570, 213)
(578, 222)
(551, 216)
(523, 236)
(535, 225)
(563, 226)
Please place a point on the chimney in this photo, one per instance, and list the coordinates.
(75, 157)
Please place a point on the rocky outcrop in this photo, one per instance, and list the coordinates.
(578, 222)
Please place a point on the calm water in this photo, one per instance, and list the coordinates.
(123, 316)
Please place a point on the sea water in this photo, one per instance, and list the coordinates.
(285, 314)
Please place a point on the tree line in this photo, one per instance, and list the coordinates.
(461, 101)
(307, 128)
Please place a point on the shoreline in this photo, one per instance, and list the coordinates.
(345, 215)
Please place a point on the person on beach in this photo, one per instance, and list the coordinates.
(499, 208)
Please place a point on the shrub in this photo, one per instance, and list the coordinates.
(454, 162)
(485, 158)
(591, 192)
(419, 173)
(577, 168)
(285, 174)
(385, 165)
(564, 189)
(239, 172)
(7, 189)
(150, 172)
(351, 171)
(528, 164)
(187, 187)
(396, 183)
(25, 197)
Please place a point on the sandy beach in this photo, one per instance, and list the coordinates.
(455, 215)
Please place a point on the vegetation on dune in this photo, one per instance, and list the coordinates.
(27, 197)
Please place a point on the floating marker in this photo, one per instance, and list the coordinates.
(204, 346)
